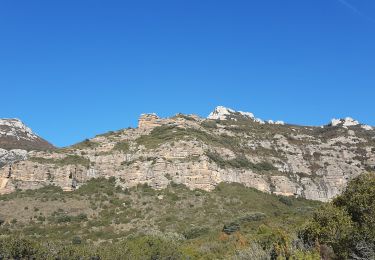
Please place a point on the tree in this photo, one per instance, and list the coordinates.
(359, 201)
(330, 226)
(347, 225)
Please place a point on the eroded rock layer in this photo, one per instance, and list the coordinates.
(310, 162)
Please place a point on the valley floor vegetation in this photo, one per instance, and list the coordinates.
(100, 220)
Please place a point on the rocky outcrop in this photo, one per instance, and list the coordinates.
(9, 157)
(14, 134)
(310, 162)
(224, 113)
(148, 121)
(348, 121)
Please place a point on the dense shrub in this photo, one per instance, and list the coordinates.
(20, 248)
(195, 232)
(74, 159)
(122, 146)
(63, 218)
(286, 200)
(81, 217)
(209, 124)
(86, 144)
(76, 241)
(68, 160)
(240, 162)
(97, 186)
(276, 240)
(359, 201)
(145, 247)
(196, 221)
(347, 225)
(254, 251)
(256, 216)
(332, 226)
(167, 133)
(231, 228)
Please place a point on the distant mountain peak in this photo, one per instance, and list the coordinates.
(16, 128)
(14, 134)
(224, 113)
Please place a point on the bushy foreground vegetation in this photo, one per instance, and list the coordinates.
(102, 221)
(345, 228)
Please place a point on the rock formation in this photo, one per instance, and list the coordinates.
(14, 134)
(149, 121)
(229, 146)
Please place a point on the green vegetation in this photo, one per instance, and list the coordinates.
(110, 134)
(240, 162)
(74, 159)
(210, 124)
(231, 222)
(86, 144)
(122, 146)
(345, 228)
(137, 248)
(169, 134)
(68, 160)
(186, 117)
(164, 134)
(143, 223)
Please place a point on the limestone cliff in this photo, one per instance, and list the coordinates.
(229, 146)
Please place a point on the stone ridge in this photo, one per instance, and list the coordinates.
(224, 113)
(309, 162)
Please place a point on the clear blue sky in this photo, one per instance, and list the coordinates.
(73, 69)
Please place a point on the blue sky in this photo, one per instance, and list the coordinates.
(74, 69)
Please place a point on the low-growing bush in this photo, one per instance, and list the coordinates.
(68, 160)
(86, 144)
(240, 162)
(286, 200)
(122, 146)
(231, 228)
(256, 216)
(195, 232)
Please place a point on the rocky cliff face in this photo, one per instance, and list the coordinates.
(229, 146)
(15, 140)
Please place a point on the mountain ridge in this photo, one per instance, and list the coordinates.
(229, 146)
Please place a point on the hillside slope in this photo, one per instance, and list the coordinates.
(194, 224)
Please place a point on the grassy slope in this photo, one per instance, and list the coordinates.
(99, 213)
